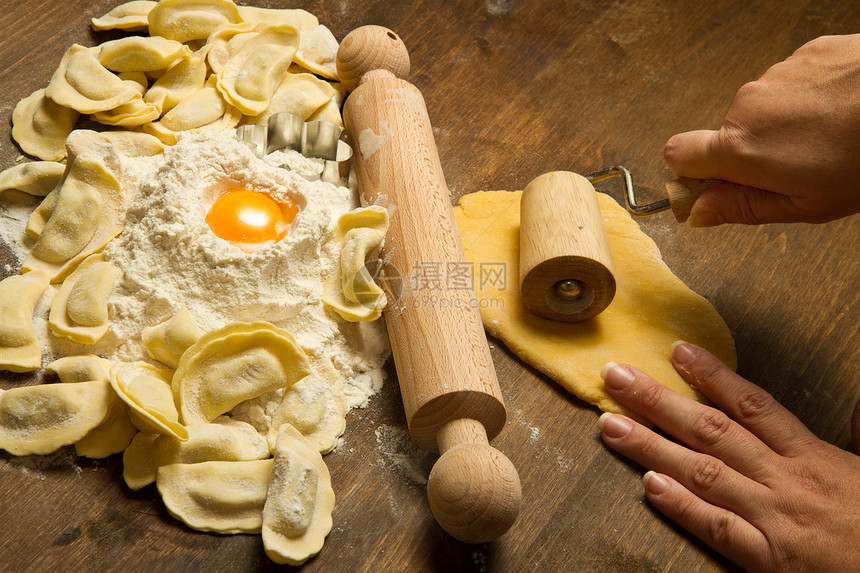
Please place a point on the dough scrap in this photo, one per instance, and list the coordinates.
(79, 309)
(40, 126)
(166, 342)
(19, 347)
(222, 440)
(131, 17)
(238, 362)
(299, 503)
(42, 419)
(652, 308)
(350, 291)
(34, 177)
(224, 497)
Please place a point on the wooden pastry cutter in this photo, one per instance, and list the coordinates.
(565, 266)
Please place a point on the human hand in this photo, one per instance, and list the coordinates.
(753, 483)
(790, 143)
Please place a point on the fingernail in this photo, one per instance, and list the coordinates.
(704, 218)
(616, 376)
(614, 426)
(655, 483)
(684, 352)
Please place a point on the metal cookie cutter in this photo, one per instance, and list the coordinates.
(319, 139)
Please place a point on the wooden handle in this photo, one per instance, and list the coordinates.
(565, 265)
(684, 191)
(443, 361)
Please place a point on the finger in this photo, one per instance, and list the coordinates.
(730, 203)
(701, 427)
(695, 154)
(743, 401)
(722, 530)
(706, 476)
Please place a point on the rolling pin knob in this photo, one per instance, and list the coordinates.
(565, 265)
(371, 49)
(474, 491)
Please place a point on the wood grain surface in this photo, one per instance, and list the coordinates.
(514, 89)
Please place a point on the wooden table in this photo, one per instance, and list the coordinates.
(514, 89)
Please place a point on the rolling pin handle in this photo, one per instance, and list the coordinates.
(473, 489)
(684, 191)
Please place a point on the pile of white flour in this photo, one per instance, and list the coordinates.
(170, 258)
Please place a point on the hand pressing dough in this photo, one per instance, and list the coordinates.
(652, 308)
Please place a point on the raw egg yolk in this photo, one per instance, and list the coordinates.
(245, 216)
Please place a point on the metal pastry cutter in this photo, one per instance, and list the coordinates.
(682, 193)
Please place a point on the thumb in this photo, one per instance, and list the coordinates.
(731, 203)
(694, 154)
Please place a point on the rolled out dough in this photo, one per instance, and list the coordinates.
(652, 308)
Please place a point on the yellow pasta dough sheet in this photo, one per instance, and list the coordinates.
(652, 307)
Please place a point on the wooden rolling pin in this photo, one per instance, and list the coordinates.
(565, 266)
(450, 392)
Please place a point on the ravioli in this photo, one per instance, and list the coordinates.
(89, 212)
(166, 342)
(184, 20)
(79, 309)
(34, 178)
(315, 406)
(131, 17)
(239, 362)
(42, 419)
(80, 368)
(146, 390)
(351, 291)
(258, 61)
(222, 440)
(299, 501)
(224, 497)
(19, 348)
(83, 84)
(41, 125)
(141, 53)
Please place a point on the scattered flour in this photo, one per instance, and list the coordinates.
(401, 454)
